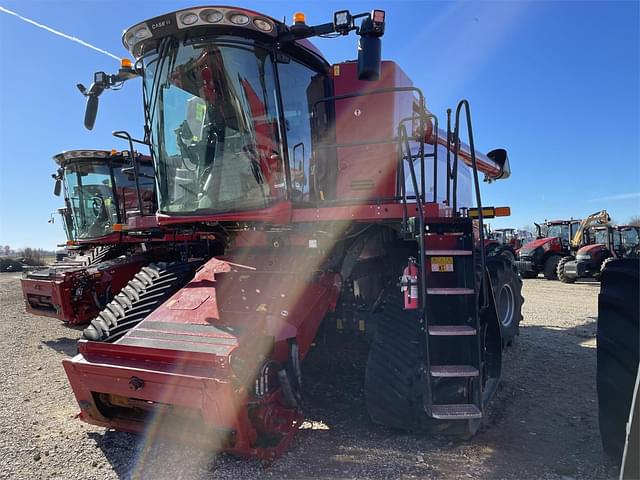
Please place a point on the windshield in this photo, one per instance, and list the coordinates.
(630, 237)
(90, 195)
(213, 116)
(558, 230)
(601, 236)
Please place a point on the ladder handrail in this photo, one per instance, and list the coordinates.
(465, 103)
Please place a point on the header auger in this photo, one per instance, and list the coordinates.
(329, 196)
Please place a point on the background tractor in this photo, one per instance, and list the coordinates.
(605, 243)
(326, 195)
(507, 242)
(544, 253)
(560, 239)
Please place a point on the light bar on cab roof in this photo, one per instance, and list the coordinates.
(71, 154)
(174, 22)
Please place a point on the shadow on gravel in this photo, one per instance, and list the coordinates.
(118, 449)
(68, 346)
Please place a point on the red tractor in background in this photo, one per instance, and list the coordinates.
(326, 192)
(507, 242)
(544, 253)
(561, 238)
(101, 194)
(605, 243)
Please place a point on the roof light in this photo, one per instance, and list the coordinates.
(262, 24)
(189, 18)
(342, 21)
(239, 19)
(211, 16)
(142, 33)
(126, 63)
(378, 16)
(298, 17)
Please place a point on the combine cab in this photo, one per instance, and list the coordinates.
(331, 196)
(604, 244)
(99, 193)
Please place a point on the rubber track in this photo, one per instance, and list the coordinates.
(145, 292)
(393, 378)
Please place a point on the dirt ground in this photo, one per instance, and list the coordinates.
(542, 423)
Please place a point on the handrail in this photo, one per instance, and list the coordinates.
(464, 103)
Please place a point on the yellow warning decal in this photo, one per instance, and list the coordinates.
(336, 70)
(442, 264)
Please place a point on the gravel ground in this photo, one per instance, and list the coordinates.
(542, 423)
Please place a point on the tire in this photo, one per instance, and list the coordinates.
(507, 291)
(606, 262)
(145, 292)
(550, 267)
(560, 270)
(504, 251)
(617, 354)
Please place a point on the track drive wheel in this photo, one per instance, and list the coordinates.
(618, 356)
(560, 269)
(550, 267)
(507, 291)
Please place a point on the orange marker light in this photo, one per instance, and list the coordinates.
(503, 211)
(298, 17)
(126, 63)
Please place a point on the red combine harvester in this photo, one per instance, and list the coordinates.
(326, 190)
(101, 197)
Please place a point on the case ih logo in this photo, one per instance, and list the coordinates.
(161, 24)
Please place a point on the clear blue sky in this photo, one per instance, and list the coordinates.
(556, 83)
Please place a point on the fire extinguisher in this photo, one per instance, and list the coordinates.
(409, 285)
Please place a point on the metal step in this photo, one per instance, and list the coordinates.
(447, 253)
(461, 411)
(450, 291)
(451, 371)
(451, 330)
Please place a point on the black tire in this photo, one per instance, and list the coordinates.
(504, 251)
(560, 270)
(550, 267)
(618, 355)
(145, 292)
(507, 291)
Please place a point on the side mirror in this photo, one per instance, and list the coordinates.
(369, 58)
(91, 112)
(57, 189)
(499, 155)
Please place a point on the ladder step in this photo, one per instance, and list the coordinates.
(450, 291)
(451, 330)
(447, 253)
(450, 371)
(455, 412)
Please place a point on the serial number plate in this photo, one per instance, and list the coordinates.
(442, 264)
